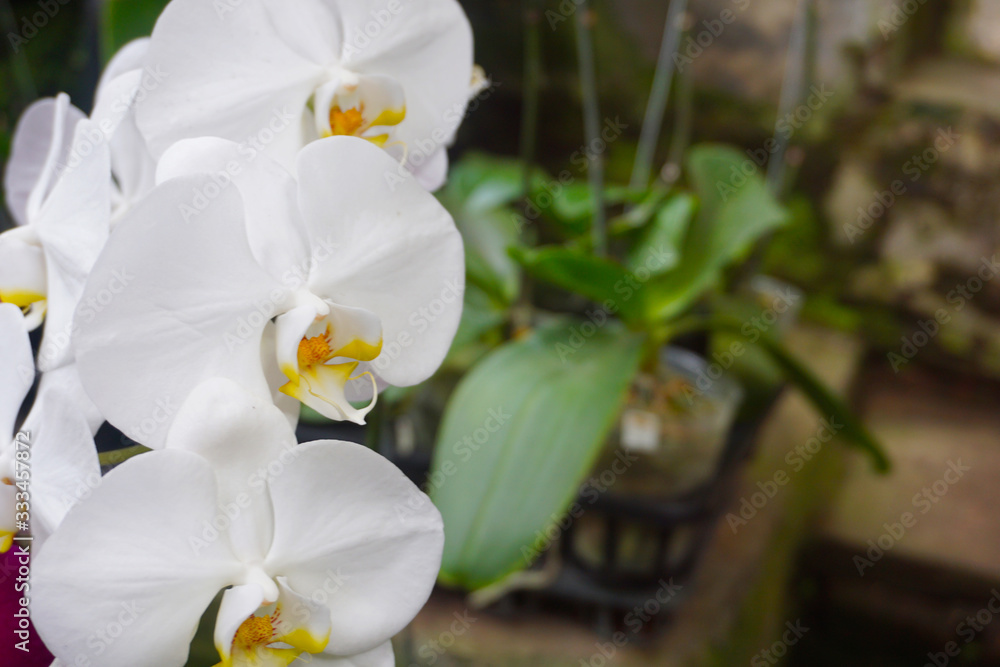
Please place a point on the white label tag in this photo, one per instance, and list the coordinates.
(640, 431)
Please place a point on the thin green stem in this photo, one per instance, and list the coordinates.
(592, 123)
(532, 87)
(797, 73)
(659, 96)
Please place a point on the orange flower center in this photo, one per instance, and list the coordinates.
(316, 350)
(255, 631)
(346, 122)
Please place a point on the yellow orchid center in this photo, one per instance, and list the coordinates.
(346, 123)
(254, 632)
(316, 350)
(21, 299)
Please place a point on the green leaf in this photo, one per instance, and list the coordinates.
(596, 278)
(519, 436)
(664, 237)
(825, 401)
(478, 195)
(642, 212)
(125, 20)
(735, 212)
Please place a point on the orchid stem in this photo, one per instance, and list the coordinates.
(792, 92)
(532, 84)
(659, 96)
(592, 122)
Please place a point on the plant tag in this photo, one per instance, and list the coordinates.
(640, 431)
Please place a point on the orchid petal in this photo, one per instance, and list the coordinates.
(22, 268)
(41, 141)
(220, 85)
(238, 604)
(170, 304)
(434, 172)
(64, 464)
(73, 227)
(241, 435)
(399, 255)
(17, 368)
(374, 549)
(427, 47)
(309, 347)
(274, 227)
(142, 567)
(304, 622)
(381, 656)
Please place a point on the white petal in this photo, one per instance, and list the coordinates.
(171, 304)
(398, 253)
(132, 164)
(348, 335)
(41, 141)
(434, 172)
(381, 656)
(274, 226)
(17, 368)
(64, 464)
(304, 620)
(238, 604)
(129, 57)
(242, 436)
(22, 267)
(245, 73)
(427, 47)
(73, 227)
(350, 525)
(133, 557)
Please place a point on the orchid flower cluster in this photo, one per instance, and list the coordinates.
(243, 225)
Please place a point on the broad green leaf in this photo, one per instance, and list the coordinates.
(489, 236)
(125, 20)
(735, 212)
(519, 436)
(571, 205)
(664, 237)
(643, 211)
(598, 279)
(478, 195)
(825, 401)
(481, 182)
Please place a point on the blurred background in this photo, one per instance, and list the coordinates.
(879, 125)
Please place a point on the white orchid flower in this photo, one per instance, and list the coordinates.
(125, 83)
(363, 283)
(53, 463)
(17, 374)
(322, 548)
(277, 74)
